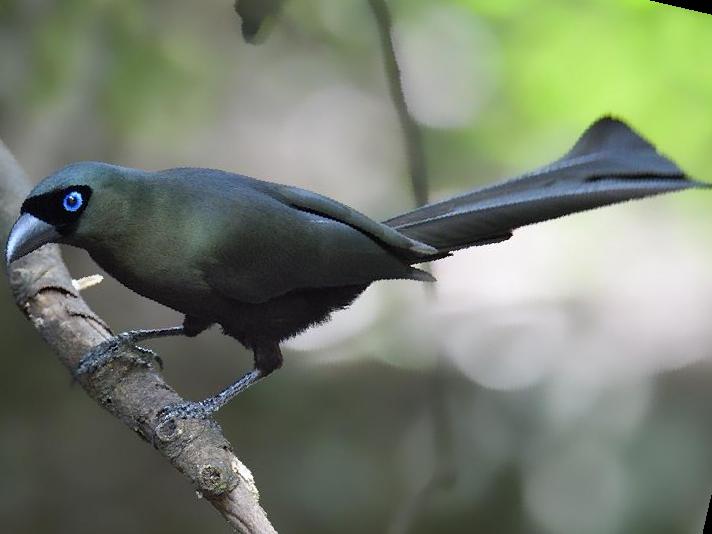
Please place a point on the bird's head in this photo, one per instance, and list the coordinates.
(64, 207)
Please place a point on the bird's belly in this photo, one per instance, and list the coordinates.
(183, 289)
(285, 316)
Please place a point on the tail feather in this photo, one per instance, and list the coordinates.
(610, 163)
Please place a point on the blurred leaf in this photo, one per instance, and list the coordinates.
(254, 14)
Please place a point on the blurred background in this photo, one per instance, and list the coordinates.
(559, 382)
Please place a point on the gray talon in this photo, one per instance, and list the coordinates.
(184, 410)
(107, 351)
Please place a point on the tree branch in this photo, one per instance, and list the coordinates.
(412, 139)
(129, 388)
(443, 475)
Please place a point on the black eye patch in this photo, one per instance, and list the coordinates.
(60, 208)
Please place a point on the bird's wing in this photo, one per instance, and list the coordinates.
(277, 239)
(329, 208)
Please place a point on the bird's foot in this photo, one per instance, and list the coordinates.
(167, 428)
(108, 351)
(168, 416)
(186, 410)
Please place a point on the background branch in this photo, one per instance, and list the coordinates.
(443, 474)
(412, 140)
(129, 388)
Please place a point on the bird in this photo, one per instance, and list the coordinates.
(266, 261)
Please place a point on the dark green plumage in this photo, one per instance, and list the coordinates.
(266, 261)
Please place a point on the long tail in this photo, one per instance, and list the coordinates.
(610, 163)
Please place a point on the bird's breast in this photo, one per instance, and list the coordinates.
(162, 270)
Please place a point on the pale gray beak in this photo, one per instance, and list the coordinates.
(28, 234)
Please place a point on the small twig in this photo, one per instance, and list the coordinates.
(87, 281)
(128, 387)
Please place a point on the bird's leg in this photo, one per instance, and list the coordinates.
(108, 350)
(267, 359)
(205, 408)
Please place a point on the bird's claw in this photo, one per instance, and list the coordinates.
(169, 415)
(184, 410)
(108, 351)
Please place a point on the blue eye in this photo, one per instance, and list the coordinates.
(72, 201)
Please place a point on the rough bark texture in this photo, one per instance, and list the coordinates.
(128, 387)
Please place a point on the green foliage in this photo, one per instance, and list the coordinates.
(57, 42)
(148, 77)
(156, 80)
(558, 62)
(569, 62)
